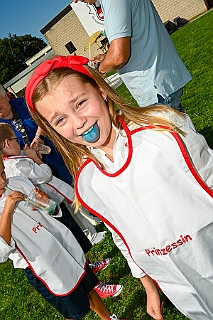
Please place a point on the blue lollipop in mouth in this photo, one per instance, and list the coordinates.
(92, 135)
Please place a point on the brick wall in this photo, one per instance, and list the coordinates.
(170, 9)
(69, 28)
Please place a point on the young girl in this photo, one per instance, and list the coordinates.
(145, 172)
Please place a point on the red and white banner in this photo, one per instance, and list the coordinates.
(91, 16)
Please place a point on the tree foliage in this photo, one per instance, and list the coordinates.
(14, 51)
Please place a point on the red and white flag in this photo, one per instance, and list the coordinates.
(91, 16)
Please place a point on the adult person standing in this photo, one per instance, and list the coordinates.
(142, 52)
(15, 112)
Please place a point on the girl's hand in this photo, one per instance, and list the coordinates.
(154, 305)
(12, 199)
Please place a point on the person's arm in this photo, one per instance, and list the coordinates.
(32, 154)
(136, 271)
(5, 220)
(154, 306)
(118, 28)
(116, 56)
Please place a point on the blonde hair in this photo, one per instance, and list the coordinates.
(6, 132)
(74, 154)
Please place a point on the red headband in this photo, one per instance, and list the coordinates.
(73, 62)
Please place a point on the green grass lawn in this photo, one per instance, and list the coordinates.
(18, 301)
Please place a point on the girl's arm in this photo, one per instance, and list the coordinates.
(153, 298)
(154, 307)
(5, 220)
(135, 270)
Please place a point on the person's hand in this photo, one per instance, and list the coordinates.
(6, 215)
(97, 58)
(88, 1)
(41, 198)
(154, 305)
(12, 199)
(40, 194)
(31, 152)
(35, 142)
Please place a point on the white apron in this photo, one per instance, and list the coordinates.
(165, 217)
(47, 247)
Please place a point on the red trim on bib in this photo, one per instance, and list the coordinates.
(63, 195)
(46, 285)
(190, 164)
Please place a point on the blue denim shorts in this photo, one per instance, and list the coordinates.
(73, 306)
(173, 100)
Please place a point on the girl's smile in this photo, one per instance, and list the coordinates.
(78, 112)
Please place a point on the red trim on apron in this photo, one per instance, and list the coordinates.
(46, 285)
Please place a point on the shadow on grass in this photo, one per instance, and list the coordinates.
(207, 132)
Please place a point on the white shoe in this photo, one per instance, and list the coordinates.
(114, 317)
(98, 237)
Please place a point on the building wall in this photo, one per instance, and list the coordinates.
(188, 9)
(20, 84)
(69, 28)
